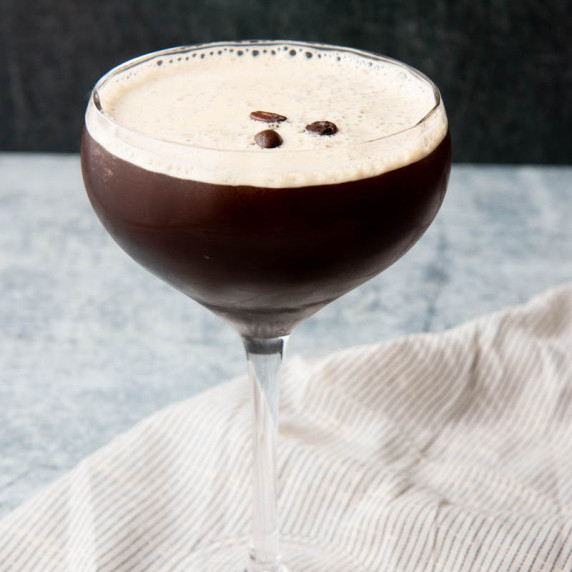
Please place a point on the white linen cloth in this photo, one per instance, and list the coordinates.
(437, 452)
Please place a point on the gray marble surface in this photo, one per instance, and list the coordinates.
(90, 343)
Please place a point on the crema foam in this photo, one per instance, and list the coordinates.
(186, 113)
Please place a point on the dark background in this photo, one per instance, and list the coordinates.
(504, 67)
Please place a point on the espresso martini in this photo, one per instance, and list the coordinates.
(179, 168)
(264, 180)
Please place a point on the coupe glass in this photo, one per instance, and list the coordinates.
(264, 259)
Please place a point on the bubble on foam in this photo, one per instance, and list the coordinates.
(179, 112)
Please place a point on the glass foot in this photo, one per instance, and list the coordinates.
(297, 556)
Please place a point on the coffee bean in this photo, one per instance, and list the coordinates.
(322, 128)
(268, 139)
(267, 117)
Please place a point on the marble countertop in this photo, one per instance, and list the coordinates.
(90, 343)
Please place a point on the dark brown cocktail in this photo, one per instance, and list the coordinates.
(264, 180)
(264, 258)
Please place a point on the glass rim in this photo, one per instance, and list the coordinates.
(95, 98)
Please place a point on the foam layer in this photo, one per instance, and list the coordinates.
(186, 113)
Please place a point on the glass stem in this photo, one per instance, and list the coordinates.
(264, 360)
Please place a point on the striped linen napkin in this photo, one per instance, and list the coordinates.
(437, 452)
